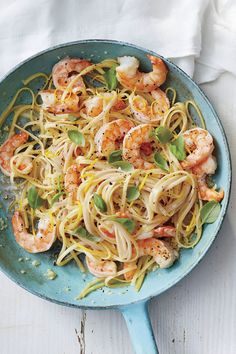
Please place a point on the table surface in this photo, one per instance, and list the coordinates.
(198, 315)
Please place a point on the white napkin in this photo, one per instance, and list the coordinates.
(182, 30)
(218, 52)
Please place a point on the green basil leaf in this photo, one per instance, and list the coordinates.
(132, 193)
(163, 134)
(72, 118)
(115, 156)
(128, 224)
(56, 197)
(160, 161)
(110, 78)
(35, 201)
(210, 212)
(77, 137)
(82, 232)
(100, 203)
(177, 148)
(152, 134)
(123, 165)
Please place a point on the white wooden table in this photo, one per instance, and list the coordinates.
(196, 316)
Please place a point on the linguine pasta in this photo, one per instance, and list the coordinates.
(131, 202)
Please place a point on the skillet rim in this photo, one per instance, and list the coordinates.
(229, 181)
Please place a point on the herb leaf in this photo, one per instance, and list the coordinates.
(123, 165)
(34, 199)
(77, 137)
(132, 193)
(56, 197)
(110, 78)
(114, 156)
(128, 224)
(160, 161)
(177, 148)
(100, 203)
(72, 118)
(163, 134)
(82, 232)
(210, 212)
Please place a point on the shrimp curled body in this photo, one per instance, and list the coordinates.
(109, 136)
(137, 138)
(163, 254)
(8, 148)
(200, 160)
(206, 193)
(96, 104)
(101, 268)
(146, 113)
(165, 231)
(43, 239)
(128, 75)
(52, 102)
(65, 71)
(200, 144)
(208, 167)
(160, 231)
(72, 179)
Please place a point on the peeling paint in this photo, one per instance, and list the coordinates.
(81, 334)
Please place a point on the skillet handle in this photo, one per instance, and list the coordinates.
(140, 328)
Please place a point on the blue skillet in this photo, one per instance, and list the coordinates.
(132, 304)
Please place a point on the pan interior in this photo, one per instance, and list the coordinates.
(17, 263)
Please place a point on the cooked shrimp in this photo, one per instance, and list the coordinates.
(146, 113)
(25, 165)
(121, 214)
(107, 233)
(160, 231)
(53, 104)
(165, 231)
(101, 269)
(200, 144)
(134, 140)
(110, 136)
(8, 148)
(95, 105)
(145, 246)
(130, 274)
(128, 75)
(208, 167)
(43, 239)
(72, 179)
(119, 105)
(161, 251)
(65, 71)
(206, 193)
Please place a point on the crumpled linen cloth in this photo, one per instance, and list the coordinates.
(198, 35)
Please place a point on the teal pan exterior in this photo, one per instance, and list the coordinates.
(132, 304)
